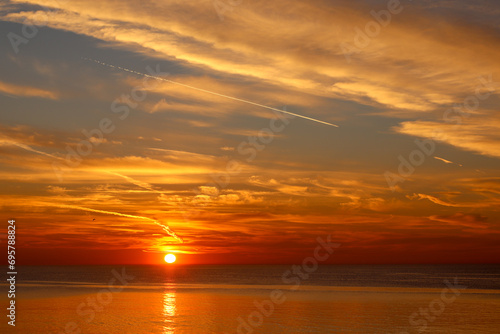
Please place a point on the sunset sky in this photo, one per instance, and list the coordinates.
(410, 175)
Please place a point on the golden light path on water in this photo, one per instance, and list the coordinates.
(169, 312)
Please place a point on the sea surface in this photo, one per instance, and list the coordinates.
(219, 299)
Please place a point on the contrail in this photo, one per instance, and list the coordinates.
(27, 148)
(447, 161)
(210, 92)
(444, 160)
(138, 183)
(166, 228)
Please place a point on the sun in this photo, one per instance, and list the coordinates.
(170, 258)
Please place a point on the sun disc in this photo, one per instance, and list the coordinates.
(170, 258)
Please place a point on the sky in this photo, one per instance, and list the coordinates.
(130, 129)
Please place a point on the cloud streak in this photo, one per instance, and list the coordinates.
(27, 91)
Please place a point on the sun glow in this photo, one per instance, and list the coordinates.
(170, 258)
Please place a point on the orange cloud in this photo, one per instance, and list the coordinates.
(479, 135)
(27, 91)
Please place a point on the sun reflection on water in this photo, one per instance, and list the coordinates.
(169, 312)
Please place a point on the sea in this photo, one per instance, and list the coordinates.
(245, 299)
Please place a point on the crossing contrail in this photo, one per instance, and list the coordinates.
(210, 92)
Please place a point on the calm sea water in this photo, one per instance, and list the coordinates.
(258, 299)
